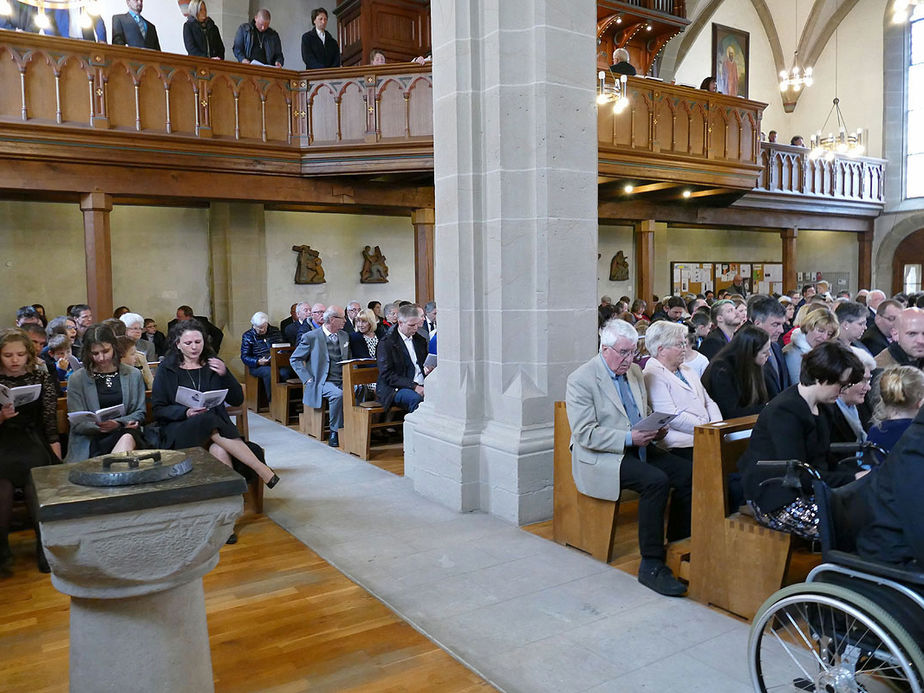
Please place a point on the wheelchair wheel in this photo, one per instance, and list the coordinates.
(828, 639)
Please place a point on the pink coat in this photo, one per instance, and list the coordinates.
(669, 394)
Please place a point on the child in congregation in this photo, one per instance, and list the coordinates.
(901, 394)
(132, 357)
(59, 348)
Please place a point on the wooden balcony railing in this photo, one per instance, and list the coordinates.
(671, 132)
(789, 170)
(349, 119)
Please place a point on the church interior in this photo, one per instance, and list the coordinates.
(438, 561)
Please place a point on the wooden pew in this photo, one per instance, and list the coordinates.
(359, 419)
(586, 523)
(315, 422)
(256, 397)
(287, 397)
(735, 563)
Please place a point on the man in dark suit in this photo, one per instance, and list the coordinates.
(726, 319)
(319, 49)
(317, 362)
(873, 299)
(302, 324)
(289, 320)
(131, 29)
(401, 375)
(878, 337)
(353, 308)
(186, 313)
(769, 315)
(428, 323)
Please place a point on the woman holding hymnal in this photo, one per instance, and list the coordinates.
(105, 399)
(28, 428)
(190, 389)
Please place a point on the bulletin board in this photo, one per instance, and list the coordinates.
(699, 277)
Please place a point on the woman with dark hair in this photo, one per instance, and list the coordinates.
(709, 84)
(104, 381)
(793, 427)
(28, 433)
(735, 377)
(190, 362)
(40, 309)
(376, 308)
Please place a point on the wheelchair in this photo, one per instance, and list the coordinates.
(854, 625)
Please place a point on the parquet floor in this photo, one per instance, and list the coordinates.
(280, 619)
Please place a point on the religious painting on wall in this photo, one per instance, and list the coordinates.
(730, 60)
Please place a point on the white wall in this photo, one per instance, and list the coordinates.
(340, 239)
(160, 260)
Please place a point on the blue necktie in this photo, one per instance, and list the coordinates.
(142, 25)
(628, 402)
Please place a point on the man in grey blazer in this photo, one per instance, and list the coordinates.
(317, 363)
(605, 398)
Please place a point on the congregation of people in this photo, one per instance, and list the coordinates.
(255, 43)
(815, 368)
(125, 362)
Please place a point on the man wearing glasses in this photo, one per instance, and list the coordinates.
(317, 363)
(606, 398)
(878, 337)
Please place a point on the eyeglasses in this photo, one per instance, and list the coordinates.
(624, 353)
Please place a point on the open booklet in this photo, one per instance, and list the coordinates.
(200, 400)
(18, 396)
(655, 422)
(98, 416)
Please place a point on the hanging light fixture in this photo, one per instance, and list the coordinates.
(844, 143)
(796, 77)
(615, 92)
(88, 8)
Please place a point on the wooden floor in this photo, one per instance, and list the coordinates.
(280, 619)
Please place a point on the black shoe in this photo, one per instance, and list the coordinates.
(232, 539)
(661, 580)
(41, 561)
(272, 482)
(334, 441)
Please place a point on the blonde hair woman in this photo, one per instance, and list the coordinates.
(817, 326)
(901, 394)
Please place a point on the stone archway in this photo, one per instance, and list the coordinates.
(909, 251)
(886, 249)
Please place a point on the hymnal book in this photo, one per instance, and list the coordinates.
(430, 362)
(655, 422)
(97, 417)
(200, 400)
(18, 396)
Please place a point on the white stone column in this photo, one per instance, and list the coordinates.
(516, 248)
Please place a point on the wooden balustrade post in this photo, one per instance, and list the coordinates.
(203, 111)
(644, 260)
(98, 83)
(96, 207)
(789, 237)
(424, 221)
(372, 109)
(299, 89)
(865, 269)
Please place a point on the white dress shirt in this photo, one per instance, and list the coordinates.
(409, 345)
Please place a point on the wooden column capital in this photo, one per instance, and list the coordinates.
(789, 234)
(424, 215)
(96, 201)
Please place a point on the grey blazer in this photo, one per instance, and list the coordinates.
(81, 396)
(599, 425)
(143, 346)
(310, 362)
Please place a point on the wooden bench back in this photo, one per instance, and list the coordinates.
(360, 372)
(279, 358)
(716, 449)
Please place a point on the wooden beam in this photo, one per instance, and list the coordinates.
(96, 207)
(644, 260)
(789, 236)
(865, 269)
(424, 221)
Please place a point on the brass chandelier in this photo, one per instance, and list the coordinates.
(88, 10)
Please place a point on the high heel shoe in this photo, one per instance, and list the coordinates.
(272, 482)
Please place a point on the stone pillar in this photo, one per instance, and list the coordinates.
(423, 220)
(644, 260)
(865, 269)
(789, 237)
(237, 241)
(515, 155)
(96, 207)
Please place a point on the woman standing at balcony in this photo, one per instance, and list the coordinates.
(200, 34)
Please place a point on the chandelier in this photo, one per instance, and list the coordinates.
(845, 143)
(796, 78)
(616, 92)
(88, 9)
(902, 10)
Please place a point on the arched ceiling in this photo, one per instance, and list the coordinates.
(823, 18)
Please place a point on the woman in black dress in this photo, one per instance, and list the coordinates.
(735, 377)
(190, 362)
(28, 433)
